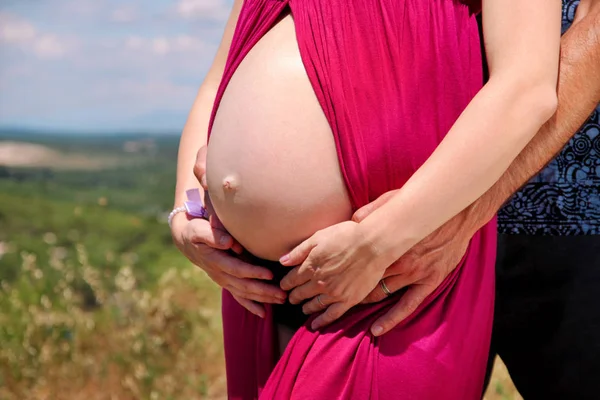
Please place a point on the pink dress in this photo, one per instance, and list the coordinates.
(392, 76)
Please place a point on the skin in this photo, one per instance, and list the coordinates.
(204, 242)
(198, 234)
(428, 263)
(343, 263)
(251, 163)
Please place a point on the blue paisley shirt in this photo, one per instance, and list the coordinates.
(564, 199)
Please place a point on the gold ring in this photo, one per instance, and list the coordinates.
(320, 302)
(384, 287)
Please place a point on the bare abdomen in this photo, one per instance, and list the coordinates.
(272, 167)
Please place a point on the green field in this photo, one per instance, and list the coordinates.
(95, 301)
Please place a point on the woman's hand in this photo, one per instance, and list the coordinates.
(336, 267)
(205, 243)
(200, 167)
(424, 267)
(421, 270)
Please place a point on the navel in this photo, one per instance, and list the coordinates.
(230, 183)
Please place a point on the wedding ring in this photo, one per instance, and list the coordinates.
(384, 287)
(320, 302)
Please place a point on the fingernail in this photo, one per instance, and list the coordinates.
(377, 330)
(266, 276)
(224, 240)
(284, 259)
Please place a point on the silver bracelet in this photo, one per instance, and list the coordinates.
(173, 213)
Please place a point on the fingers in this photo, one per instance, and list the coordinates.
(264, 296)
(213, 218)
(407, 264)
(258, 290)
(318, 303)
(239, 269)
(200, 166)
(299, 254)
(254, 308)
(237, 247)
(198, 230)
(408, 303)
(306, 291)
(250, 289)
(333, 312)
(203, 250)
(366, 210)
(296, 277)
(393, 283)
(220, 261)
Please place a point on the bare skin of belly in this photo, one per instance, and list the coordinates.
(272, 169)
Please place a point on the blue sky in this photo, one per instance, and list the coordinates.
(105, 65)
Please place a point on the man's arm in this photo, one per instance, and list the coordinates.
(428, 263)
(578, 96)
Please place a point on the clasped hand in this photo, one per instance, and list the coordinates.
(336, 269)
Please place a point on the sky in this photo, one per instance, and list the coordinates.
(105, 65)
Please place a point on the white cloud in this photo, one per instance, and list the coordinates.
(124, 14)
(82, 8)
(160, 46)
(204, 9)
(158, 92)
(101, 73)
(186, 42)
(49, 46)
(14, 30)
(134, 42)
(164, 45)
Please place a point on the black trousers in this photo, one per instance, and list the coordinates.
(547, 316)
(287, 314)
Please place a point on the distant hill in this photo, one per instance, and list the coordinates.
(28, 148)
(25, 154)
(50, 136)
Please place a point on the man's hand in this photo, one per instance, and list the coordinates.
(422, 269)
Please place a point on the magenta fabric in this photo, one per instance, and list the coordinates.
(392, 76)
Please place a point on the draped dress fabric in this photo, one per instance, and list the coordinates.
(392, 76)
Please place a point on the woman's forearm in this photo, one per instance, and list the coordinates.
(487, 137)
(522, 41)
(192, 139)
(195, 132)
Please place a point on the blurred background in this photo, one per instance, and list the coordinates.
(95, 301)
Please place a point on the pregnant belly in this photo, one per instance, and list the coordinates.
(272, 168)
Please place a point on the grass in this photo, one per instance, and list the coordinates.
(95, 301)
(129, 343)
(132, 343)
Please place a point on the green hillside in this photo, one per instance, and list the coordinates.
(94, 297)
